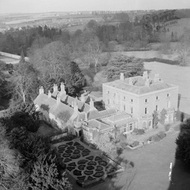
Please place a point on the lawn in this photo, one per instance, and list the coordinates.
(152, 163)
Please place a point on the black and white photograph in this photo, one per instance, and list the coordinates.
(94, 95)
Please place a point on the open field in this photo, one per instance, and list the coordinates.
(175, 75)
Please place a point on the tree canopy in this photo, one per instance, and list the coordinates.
(130, 66)
(183, 143)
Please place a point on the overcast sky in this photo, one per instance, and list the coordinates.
(32, 6)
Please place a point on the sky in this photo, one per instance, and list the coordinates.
(36, 6)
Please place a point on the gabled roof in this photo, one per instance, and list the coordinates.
(51, 105)
(94, 114)
(61, 108)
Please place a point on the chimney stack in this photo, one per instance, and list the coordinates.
(122, 77)
(145, 75)
(147, 82)
(156, 78)
(63, 88)
(58, 99)
(55, 88)
(41, 90)
(82, 98)
(49, 94)
(91, 104)
(75, 106)
(130, 81)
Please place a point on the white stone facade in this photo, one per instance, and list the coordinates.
(141, 96)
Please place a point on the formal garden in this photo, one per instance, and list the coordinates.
(85, 165)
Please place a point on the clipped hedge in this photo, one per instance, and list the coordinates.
(167, 61)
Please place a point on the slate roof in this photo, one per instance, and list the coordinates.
(50, 105)
(139, 86)
(98, 125)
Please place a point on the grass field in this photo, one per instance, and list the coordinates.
(152, 163)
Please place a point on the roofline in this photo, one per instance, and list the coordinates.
(144, 94)
(105, 84)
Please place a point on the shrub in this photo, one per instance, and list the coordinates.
(134, 144)
(167, 127)
(138, 131)
(183, 143)
(161, 134)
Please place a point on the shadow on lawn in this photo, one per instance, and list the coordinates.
(180, 178)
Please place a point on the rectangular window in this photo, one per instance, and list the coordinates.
(124, 107)
(130, 126)
(146, 100)
(156, 97)
(168, 95)
(131, 110)
(156, 107)
(145, 110)
(131, 100)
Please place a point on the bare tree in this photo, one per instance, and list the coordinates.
(93, 49)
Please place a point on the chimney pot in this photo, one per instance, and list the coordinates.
(122, 77)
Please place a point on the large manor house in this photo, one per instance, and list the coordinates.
(129, 104)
